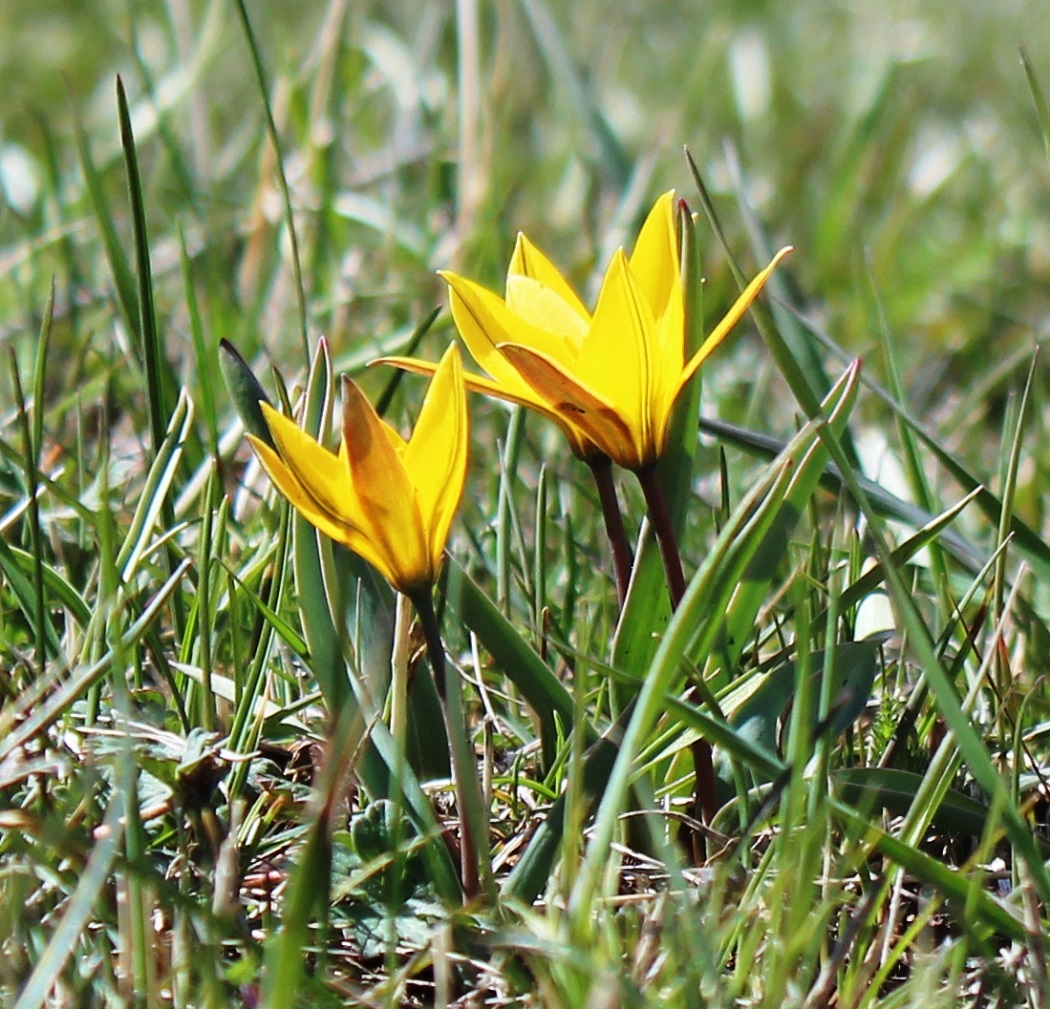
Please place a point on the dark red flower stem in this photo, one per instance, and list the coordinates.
(660, 519)
(623, 558)
(705, 801)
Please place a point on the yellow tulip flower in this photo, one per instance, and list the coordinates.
(610, 380)
(389, 500)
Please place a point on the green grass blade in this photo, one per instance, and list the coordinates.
(965, 888)
(120, 268)
(607, 152)
(155, 502)
(37, 613)
(887, 504)
(754, 588)
(58, 589)
(160, 380)
(20, 723)
(78, 911)
(282, 179)
(539, 686)
(315, 609)
(203, 357)
(532, 871)
(1038, 98)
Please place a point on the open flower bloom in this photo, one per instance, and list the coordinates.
(389, 500)
(610, 379)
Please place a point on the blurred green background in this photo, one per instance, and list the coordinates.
(896, 146)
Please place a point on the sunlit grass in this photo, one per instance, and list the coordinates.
(206, 797)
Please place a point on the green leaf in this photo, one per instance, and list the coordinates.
(756, 708)
(315, 611)
(245, 391)
(893, 790)
(542, 690)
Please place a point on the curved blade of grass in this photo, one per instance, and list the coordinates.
(282, 179)
(123, 278)
(764, 699)
(966, 889)
(78, 910)
(895, 790)
(1009, 488)
(1035, 548)
(315, 609)
(889, 505)
(273, 619)
(160, 379)
(807, 386)
(933, 531)
(532, 871)
(393, 383)
(1038, 98)
(155, 500)
(27, 587)
(609, 154)
(203, 356)
(39, 619)
(60, 592)
(753, 590)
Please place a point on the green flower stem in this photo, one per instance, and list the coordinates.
(474, 837)
(623, 558)
(705, 803)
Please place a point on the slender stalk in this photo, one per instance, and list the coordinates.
(623, 558)
(660, 517)
(473, 822)
(399, 672)
(705, 801)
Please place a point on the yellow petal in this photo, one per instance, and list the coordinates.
(598, 418)
(436, 456)
(389, 514)
(484, 321)
(316, 469)
(731, 318)
(528, 261)
(655, 262)
(543, 308)
(478, 383)
(617, 357)
(341, 532)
